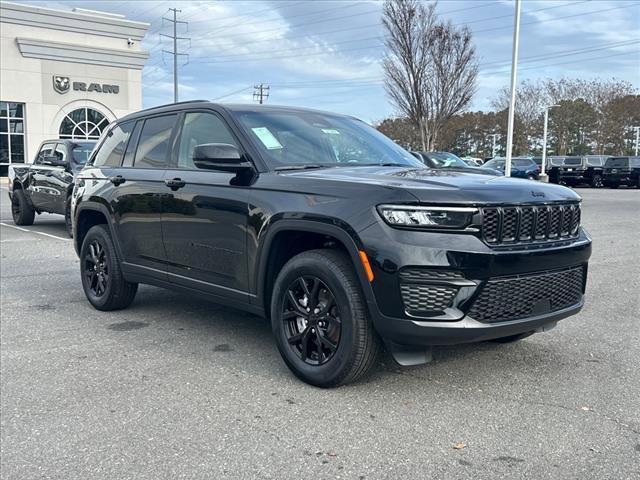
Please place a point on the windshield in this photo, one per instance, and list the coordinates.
(306, 139)
(495, 163)
(617, 162)
(446, 159)
(573, 161)
(595, 161)
(82, 151)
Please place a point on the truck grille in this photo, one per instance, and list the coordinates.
(512, 225)
(512, 298)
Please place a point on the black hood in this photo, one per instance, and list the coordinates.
(446, 186)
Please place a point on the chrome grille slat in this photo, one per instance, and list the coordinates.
(530, 223)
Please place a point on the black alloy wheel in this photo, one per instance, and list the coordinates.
(21, 211)
(597, 181)
(311, 320)
(96, 269)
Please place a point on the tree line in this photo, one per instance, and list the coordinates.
(431, 70)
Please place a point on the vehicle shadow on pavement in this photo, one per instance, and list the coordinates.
(245, 339)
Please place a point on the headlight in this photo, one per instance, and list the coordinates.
(427, 217)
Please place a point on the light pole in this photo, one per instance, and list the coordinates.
(543, 175)
(637, 129)
(512, 102)
(493, 146)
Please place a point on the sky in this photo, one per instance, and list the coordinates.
(326, 54)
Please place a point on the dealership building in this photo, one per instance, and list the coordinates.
(64, 74)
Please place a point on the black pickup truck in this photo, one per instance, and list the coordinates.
(322, 224)
(47, 183)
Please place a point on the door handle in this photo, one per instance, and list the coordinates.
(117, 180)
(174, 183)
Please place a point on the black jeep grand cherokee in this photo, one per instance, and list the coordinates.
(317, 221)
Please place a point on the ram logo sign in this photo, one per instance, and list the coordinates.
(62, 84)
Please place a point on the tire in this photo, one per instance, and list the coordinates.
(343, 346)
(512, 338)
(22, 212)
(67, 217)
(102, 279)
(531, 177)
(596, 182)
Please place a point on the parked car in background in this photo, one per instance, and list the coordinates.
(621, 171)
(449, 161)
(47, 183)
(521, 167)
(473, 161)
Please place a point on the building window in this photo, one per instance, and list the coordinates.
(11, 132)
(83, 124)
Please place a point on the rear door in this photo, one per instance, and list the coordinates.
(204, 222)
(137, 187)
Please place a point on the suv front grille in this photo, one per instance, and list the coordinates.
(512, 298)
(512, 225)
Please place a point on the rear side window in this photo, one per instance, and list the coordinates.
(110, 152)
(153, 146)
(523, 163)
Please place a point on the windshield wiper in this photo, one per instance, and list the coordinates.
(301, 167)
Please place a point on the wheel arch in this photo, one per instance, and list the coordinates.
(87, 215)
(316, 234)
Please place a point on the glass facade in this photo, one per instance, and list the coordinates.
(12, 148)
(83, 124)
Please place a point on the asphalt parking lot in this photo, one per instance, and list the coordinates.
(175, 387)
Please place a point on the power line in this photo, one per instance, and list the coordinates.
(243, 56)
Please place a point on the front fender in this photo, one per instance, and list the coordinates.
(332, 227)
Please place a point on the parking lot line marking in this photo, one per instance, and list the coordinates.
(34, 231)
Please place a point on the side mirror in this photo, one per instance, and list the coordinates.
(220, 156)
(54, 161)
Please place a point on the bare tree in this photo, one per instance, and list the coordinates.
(430, 66)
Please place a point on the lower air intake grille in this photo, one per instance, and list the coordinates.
(421, 298)
(512, 298)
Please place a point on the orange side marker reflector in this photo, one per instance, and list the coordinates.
(366, 265)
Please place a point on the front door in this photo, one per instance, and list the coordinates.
(38, 172)
(55, 182)
(204, 222)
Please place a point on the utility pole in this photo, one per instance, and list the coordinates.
(543, 174)
(261, 93)
(637, 129)
(512, 102)
(175, 52)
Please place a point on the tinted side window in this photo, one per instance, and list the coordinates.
(153, 146)
(131, 146)
(109, 154)
(200, 128)
(60, 152)
(45, 151)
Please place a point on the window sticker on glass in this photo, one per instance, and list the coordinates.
(267, 138)
(331, 131)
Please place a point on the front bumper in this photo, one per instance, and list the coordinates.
(475, 265)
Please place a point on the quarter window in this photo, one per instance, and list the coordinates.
(110, 153)
(153, 146)
(200, 128)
